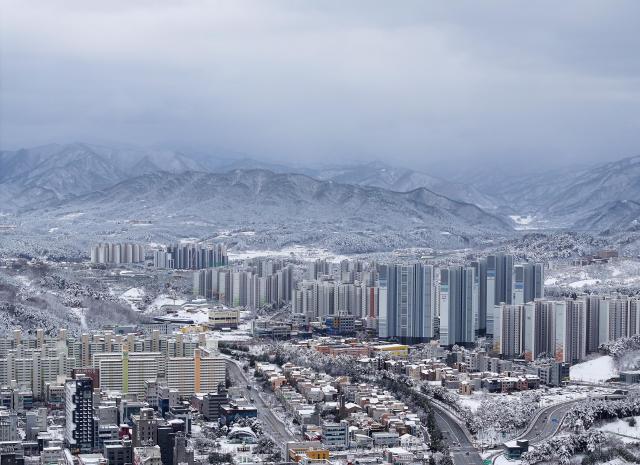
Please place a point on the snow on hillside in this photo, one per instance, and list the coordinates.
(162, 300)
(621, 428)
(618, 273)
(133, 296)
(594, 371)
(297, 251)
(583, 283)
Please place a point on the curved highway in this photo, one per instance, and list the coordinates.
(461, 448)
(547, 423)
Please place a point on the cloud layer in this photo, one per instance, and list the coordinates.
(416, 83)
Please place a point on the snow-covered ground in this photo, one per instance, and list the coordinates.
(132, 297)
(550, 396)
(473, 401)
(164, 299)
(594, 371)
(584, 282)
(620, 428)
(297, 251)
(197, 315)
(618, 273)
(523, 222)
(503, 460)
(79, 312)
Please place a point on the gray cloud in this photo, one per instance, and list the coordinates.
(417, 83)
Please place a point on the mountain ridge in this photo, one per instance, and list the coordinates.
(51, 175)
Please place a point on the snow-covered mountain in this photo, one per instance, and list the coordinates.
(83, 192)
(612, 217)
(593, 198)
(401, 180)
(58, 179)
(264, 198)
(52, 173)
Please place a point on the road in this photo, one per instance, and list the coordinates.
(546, 425)
(272, 424)
(461, 448)
(548, 421)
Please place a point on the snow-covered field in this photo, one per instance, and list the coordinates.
(620, 428)
(132, 296)
(164, 299)
(583, 283)
(594, 371)
(198, 316)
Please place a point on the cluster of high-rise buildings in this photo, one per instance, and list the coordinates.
(125, 395)
(118, 362)
(254, 284)
(191, 256)
(113, 429)
(566, 330)
(351, 289)
(117, 253)
(417, 302)
(468, 295)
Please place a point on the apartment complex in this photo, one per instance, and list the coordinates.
(115, 362)
(190, 256)
(117, 253)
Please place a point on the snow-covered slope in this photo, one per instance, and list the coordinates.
(55, 173)
(604, 197)
(401, 180)
(597, 370)
(265, 197)
(612, 217)
(45, 175)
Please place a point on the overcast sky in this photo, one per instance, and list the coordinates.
(415, 83)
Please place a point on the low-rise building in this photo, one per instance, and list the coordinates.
(335, 435)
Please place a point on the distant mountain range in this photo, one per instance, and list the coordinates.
(100, 182)
(401, 180)
(262, 197)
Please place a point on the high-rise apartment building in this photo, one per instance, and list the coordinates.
(410, 303)
(8, 425)
(79, 423)
(459, 295)
(127, 371)
(570, 324)
(617, 317)
(528, 283)
(539, 332)
(200, 373)
(509, 321)
(504, 279)
(533, 281)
